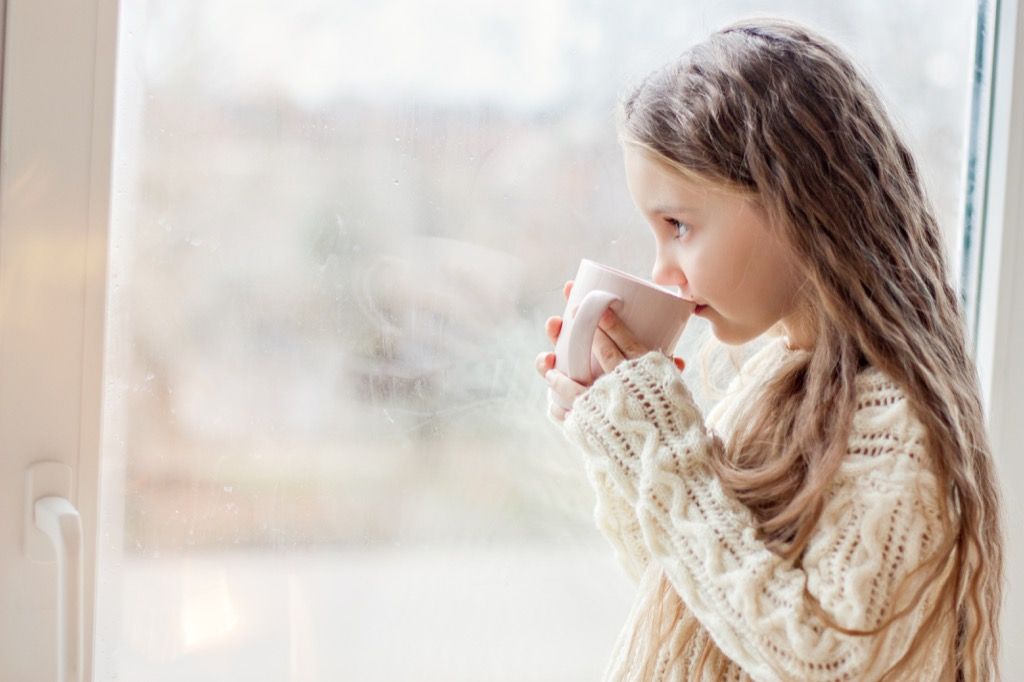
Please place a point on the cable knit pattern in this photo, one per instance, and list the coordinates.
(646, 448)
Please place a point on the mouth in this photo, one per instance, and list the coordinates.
(699, 309)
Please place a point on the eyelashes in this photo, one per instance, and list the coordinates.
(677, 225)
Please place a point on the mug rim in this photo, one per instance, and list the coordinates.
(634, 278)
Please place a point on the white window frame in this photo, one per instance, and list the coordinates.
(56, 178)
(56, 128)
(999, 326)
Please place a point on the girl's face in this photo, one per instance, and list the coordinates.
(718, 250)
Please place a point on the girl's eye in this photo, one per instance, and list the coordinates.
(678, 225)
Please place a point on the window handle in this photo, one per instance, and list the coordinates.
(59, 521)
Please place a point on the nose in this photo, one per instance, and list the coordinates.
(668, 273)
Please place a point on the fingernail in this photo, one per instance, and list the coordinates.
(679, 363)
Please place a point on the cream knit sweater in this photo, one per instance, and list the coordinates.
(645, 448)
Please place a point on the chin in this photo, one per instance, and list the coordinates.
(731, 336)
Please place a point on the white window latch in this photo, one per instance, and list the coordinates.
(53, 532)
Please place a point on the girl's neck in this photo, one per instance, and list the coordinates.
(798, 333)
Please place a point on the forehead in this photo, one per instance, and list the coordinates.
(658, 184)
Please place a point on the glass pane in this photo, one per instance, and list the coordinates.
(339, 228)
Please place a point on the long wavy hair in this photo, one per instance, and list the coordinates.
(771, 110)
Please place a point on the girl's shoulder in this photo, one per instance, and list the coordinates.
(882, 404)
(886, 433)
(875, 385)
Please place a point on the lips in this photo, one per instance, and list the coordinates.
(699, 309)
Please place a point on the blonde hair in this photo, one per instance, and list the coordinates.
(769, 109)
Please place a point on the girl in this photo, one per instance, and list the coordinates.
(835, 517)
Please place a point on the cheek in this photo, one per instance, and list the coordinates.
(701, 262)
(748, 275)
(732, 271)
(704, 275)
(774, 280)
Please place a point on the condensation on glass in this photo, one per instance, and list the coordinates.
(339, 228)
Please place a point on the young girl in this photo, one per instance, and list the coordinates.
(835, 516)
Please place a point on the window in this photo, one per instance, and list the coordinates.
(335, 231)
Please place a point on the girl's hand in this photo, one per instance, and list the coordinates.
(568, 389)
(613, 343)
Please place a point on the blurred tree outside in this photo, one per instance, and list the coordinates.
(341, 277)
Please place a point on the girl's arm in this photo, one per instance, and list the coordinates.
(616, 518)
(640, 431)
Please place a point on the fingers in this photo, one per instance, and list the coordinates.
(624, 343)
(606, 351)
(544, 362)
(553, 325)
(553, 328)
(566, 389)
(556, 413)
(618, 344)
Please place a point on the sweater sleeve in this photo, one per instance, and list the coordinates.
(616, 518)
(639, 426)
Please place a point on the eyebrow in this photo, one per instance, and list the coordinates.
(674, 209)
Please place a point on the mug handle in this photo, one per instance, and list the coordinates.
(581, 336)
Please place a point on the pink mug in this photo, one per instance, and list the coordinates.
(654, 314)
